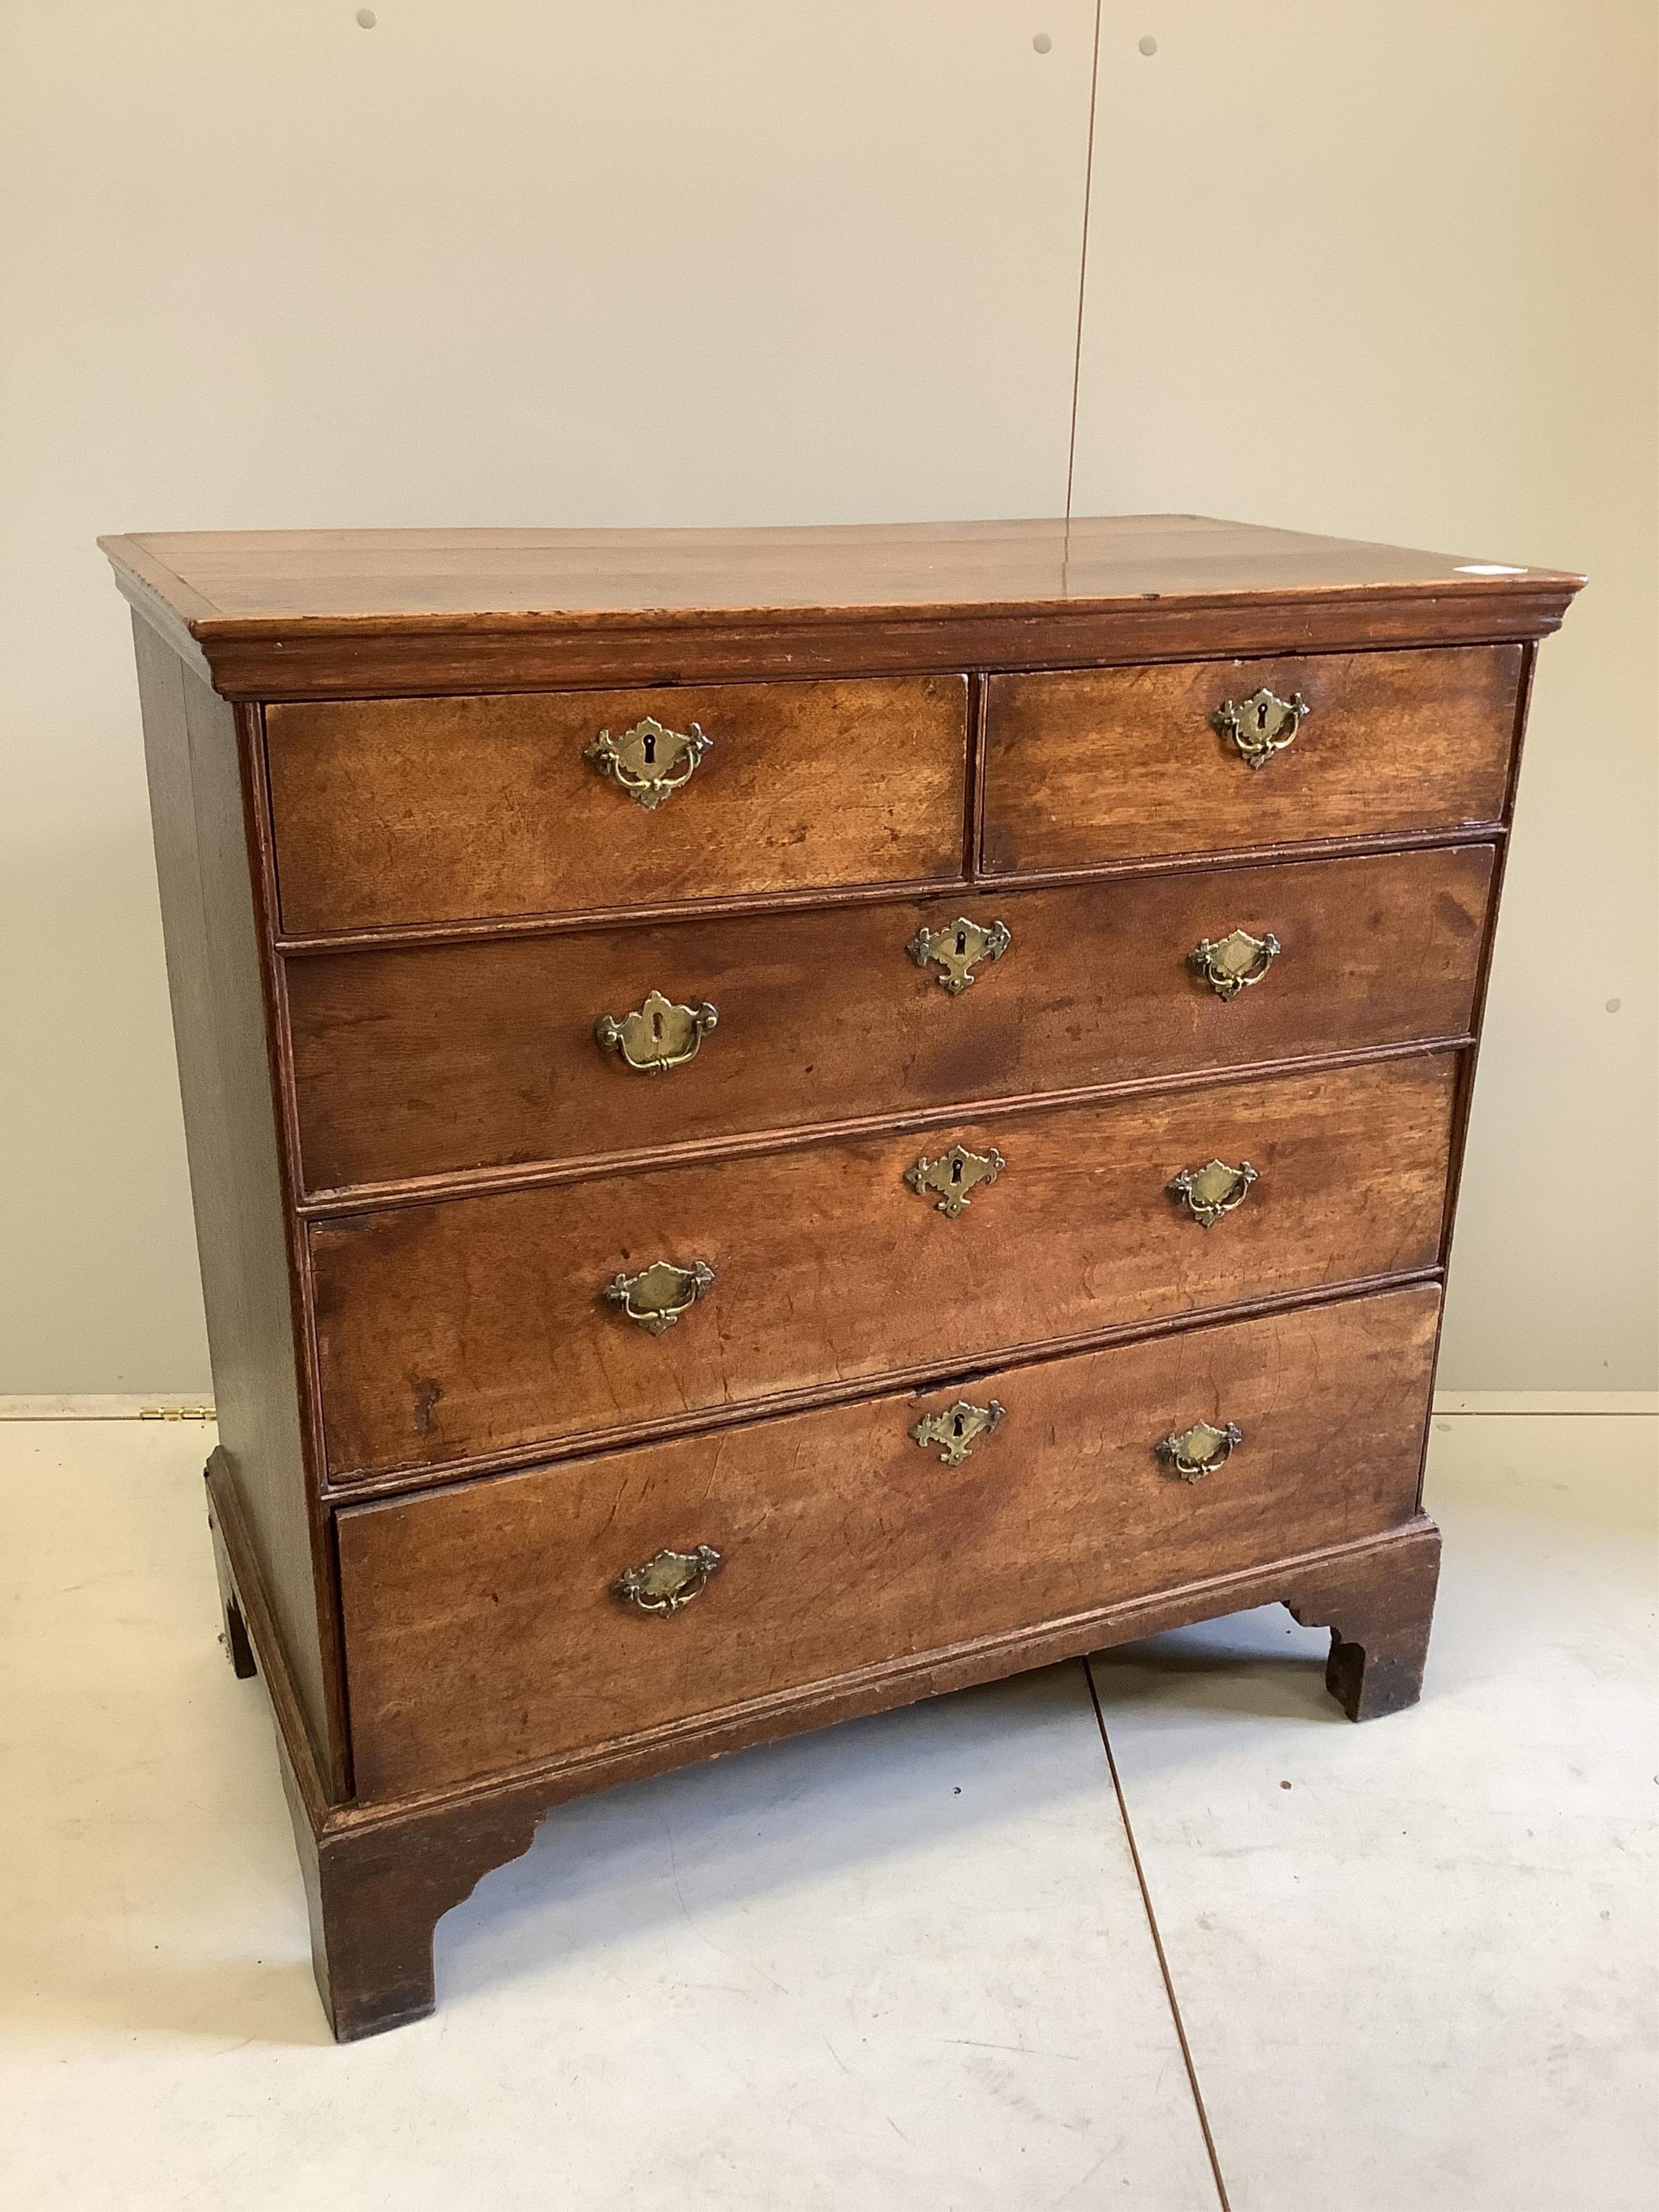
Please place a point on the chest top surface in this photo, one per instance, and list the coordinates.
(280, 614)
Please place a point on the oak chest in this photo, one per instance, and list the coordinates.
(781, 1120)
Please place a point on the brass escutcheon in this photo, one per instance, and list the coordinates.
(959, 949)
(668, 1582)
(958, 1429)
(1201, 1449)
(659, 1036)
(660, 1294)
(1262, 724)
(1213, 1190)
(650, 763)
(953, 1175)
(1231, 964)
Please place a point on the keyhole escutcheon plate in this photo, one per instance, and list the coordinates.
(1260, 725)
(957, 949)
(958, 1429)
(950, 1178)
(657, 1036)
(649, 762)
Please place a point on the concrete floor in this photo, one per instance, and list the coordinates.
(904, 1964)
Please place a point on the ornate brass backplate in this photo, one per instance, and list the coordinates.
(659, 1036)
(1231, 964)
(953, 1175)
(668, 1582)
(1262, 724)
(649, 762)
(958, 949)
(660, 1294)
(1198, 1451)
(958, 1429)
(1213, 1190)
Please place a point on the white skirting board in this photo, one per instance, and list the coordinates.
(165, 1405)
(159, 1406)
(1545, 1401)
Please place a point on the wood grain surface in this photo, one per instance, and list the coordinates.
(398, 899)
(433, 1061)
(210, 928)
(357, 614)
(1121, 763)
(379, 1875)
(478, 1325)
(484, 1633)
(403, 811)
(315, 575)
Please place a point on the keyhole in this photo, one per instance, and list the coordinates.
(956, 1426)
(1262, 718)
(956, 1170)
(656, 1029)
(962, 943)
(650, 750)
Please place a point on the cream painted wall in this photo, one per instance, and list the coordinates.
(494, 261)
(632, 261)
(1389, 270)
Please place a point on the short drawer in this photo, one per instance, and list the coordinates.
(479, 1325)
(390, 813)
(433, 1060)
(1125, 764)
(485, 1631)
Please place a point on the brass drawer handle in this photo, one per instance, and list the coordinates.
(668, 1582)
(650, 763)
(1198, 1451)
(959, 949)
(660, 1294)
(953, 1175)
(659, 1036)
(1231, 964)
(1213, 1190)
(1262, 724)
(959, 1428)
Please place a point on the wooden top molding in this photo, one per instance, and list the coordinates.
(377, 613)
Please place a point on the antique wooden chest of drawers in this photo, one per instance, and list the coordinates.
(785, 1120)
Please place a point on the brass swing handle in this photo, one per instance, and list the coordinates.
(649, 762)
(660, 1294)
(1214, 1189)
(1198, 1451)
(672, 1579)
(657, 1036)
(1262, 724)
(1231, 964)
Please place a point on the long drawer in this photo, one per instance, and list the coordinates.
(479, 1325)
(1120, 763)
(437, 1060)
(484, 1630)
(390, 812)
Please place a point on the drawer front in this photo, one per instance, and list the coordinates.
(395, 812)
(483, 1631)
(481, 1324)
(436, 1060)
(1121, 763)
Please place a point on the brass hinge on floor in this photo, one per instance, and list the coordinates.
(178, 1413)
